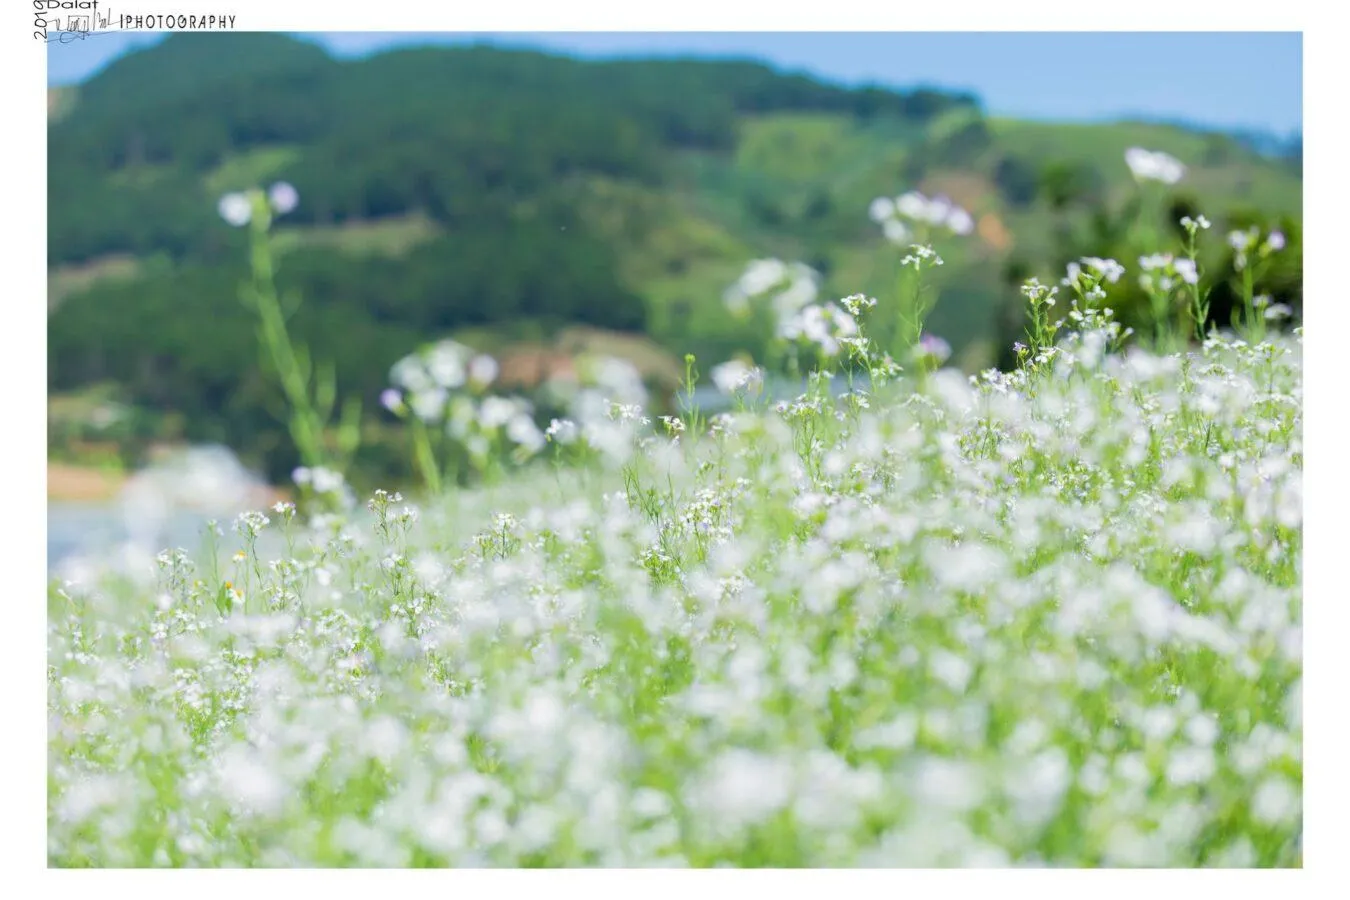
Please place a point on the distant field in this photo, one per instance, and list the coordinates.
(65, 280)
(393, 236)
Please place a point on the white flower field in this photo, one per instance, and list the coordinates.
(1051, 618)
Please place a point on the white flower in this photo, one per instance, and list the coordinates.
(564, 431)
(949, 785)
(1149, 165)
(324, 481)
(483, 370)
(801, 292)
(1037, 293)
(410, 374)
(742, 788)
(1105, 268)
(1186, 269)
(935, 211)
(1275, 242)
(428, 405)
(762, 276)
(820, 325)
(391, 400)
(736, 301)
(961, 222)
(617, 378)
(446, 364)
(1242, 240)
(283, 197)
(1275, 801)
(522, 430)
(912, 205)
(919, 255)
(248, 779)
(882, 209)
(939, 208)
(895, 231)
(733, 375)
(496, 412)
(798, 281)
(856, 303)
(236, 209)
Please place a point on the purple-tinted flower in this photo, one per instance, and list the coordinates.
(283, 197)
(934, 347)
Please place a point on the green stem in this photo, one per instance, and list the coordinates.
(426, 459)
(304, 426)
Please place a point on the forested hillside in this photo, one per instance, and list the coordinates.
(502, 197)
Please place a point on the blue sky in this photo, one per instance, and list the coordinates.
(1220, 79)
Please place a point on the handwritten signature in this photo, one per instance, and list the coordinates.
(78, 28)
(70, 37)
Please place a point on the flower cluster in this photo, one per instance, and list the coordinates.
(444, 386)
(1244, 243)
(1163, 272)
(424, 381)
(1154, 165)
(824, 325)
(734, 376)
(1099, 269)
(789, 287)
(1270, 311)
(1038, 294)
(237, 208)
(325, 483)
(1192, 225)
(899, 217)
(598, 381)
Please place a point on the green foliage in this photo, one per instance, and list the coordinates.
(1018, 180)
(513, 192)
(1147, 222)
(1064, 184)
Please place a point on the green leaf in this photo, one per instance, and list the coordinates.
(302, 362)
(349, 431)
(325, 391)
(289, 304)
(224, 602)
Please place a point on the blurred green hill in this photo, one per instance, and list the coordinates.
(502, 196)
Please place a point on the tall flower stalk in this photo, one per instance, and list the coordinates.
(1154, 171)
(1199, 299)
(909, 221)
(916, 302)
(1251, 257)
(310, 391)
